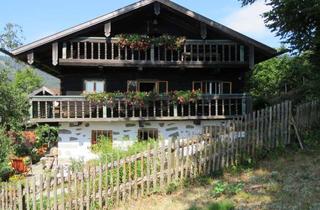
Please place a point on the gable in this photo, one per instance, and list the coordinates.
(136, 8)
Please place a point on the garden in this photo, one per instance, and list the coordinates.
(21, 149)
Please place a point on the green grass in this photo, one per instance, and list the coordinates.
(222, 205)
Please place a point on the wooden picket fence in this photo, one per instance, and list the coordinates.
(130, 178)
(307, 115)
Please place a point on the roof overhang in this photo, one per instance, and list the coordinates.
(135, 6)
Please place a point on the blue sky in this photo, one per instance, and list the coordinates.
(40, 18)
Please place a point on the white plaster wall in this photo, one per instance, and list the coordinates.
(75, 141)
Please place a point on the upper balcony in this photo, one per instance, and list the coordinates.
(79, 109)
(101, 51)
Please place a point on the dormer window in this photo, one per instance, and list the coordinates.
(94, 86)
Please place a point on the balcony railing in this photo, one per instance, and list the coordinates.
(107, 52)
(78, 109)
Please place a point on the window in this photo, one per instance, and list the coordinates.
(213, 87)
(94, 86)
(97, 134)
(147, 86)
(145, 134)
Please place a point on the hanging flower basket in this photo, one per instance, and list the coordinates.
(144, 42)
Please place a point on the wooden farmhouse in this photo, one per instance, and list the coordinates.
(150, 70)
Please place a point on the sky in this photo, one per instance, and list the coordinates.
(40, 18)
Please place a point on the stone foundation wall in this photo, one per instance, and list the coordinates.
(75, 139)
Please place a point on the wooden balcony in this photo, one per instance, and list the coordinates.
(101, 51)
(78, 109)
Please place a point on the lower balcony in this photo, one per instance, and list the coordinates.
(79, 109)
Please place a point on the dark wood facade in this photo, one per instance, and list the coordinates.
(72, 82)
(91, 51)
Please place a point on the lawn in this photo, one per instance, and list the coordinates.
(287, 179)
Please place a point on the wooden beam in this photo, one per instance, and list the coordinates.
(241, 53)
(30, 58)
(203, 31)
(157, 8)
(107, 29)
(55, 52)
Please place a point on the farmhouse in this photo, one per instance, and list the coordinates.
(153, 69)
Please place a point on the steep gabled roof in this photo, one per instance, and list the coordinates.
(136, 6)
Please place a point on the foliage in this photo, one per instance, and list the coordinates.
(281, 75)
(20, 149)
(143, 42)
(221, 205)
(5, 142)
(27, 80)
(17, 178)
(222, 188)
(13, 104)
(296, 22)
(142, 99)
(76, 165)
(134, 41)
(46, 135)
(311, 138)
(106, 151)
(11, 36)
(172, 187)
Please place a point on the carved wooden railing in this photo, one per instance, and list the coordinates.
(77, 108)
(107, 51)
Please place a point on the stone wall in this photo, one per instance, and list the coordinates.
(75, 139)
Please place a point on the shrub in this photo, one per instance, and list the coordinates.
(46, 134)
(20, 149)
(5, 145)
(172, 187)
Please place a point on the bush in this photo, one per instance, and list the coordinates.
(172, 187)
(46, 135)
(5, 150)
(20, 149)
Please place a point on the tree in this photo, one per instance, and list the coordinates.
(282, 76)
(27, 80)
(11, 36)
(13, 104)
(296, 22)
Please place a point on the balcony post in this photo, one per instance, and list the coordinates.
(175, 110)
(244, 100)
(152, 53)
(104, 111)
